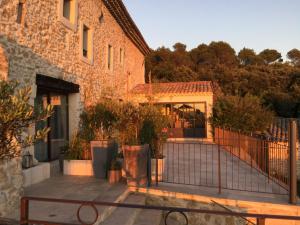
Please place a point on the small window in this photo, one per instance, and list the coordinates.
(21, 12)
(85, 41)
(121, 56)
(110, 57)
(67, 9)
(68, 13)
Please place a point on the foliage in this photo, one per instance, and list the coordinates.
(270, 56)
(128, 123)
(245, 114)
(97, 122)
(294, 56)
(263, 75)
(17, 115)
(154, 129)
(74, 149)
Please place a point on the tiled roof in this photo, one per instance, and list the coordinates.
(174, 88)
(122, 16)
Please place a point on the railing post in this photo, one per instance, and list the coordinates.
(24, 216)
(261, 221)
(219, 162)
(149, 172)
(293, 161)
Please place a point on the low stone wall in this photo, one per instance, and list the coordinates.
(195, 218)
(11, 186)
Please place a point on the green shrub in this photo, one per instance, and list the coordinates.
(16, 116)
(74, 149)
(245, 114)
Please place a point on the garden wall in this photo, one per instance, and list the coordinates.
(11, 186)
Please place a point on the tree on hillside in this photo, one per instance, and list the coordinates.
(270, 56)
(294, 56)
(248, 57)
(224, 53)
(276, 84)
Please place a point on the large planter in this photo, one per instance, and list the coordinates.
(160, 169)
(114, 176)
(102, 155)
(135, 164)
(78, 168)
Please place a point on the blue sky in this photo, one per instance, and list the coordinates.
(257, 24)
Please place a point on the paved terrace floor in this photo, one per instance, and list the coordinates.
(74, 188)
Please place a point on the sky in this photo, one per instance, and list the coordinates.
(255, 24)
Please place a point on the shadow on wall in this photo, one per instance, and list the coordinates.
(21, 63)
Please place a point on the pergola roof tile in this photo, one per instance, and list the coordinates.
(174, 88)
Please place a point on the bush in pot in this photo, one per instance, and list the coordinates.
(154, 131)
(129, 122)
(97, 129)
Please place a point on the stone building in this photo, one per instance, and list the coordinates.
(71, 52)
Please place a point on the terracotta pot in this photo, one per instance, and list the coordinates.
(135, 164)
(114, 176)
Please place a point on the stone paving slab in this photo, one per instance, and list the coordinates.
(73, 188)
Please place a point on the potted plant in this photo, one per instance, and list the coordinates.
(74, 163)
(96, 128)
(155, 132)
(115, 172)
(135, 152)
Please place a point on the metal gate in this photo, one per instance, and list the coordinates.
(231, 161)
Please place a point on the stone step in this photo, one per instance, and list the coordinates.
(126, 216)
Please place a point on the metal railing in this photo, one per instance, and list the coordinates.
(26, 219)
(268, 157)
(234, 161)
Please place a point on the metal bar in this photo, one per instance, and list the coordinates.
(261, 221)
(229, 210)
(293, 161)
(149, 167)
(219, 166)
(24, 211)
(162, 208)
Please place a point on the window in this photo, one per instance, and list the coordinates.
(121, 56)
(68, 13)
(85, 39)
(67, 9)
(86, 43)
(21, 12)
(110, 57)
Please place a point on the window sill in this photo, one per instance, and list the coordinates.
(68, 24)
(87, 60)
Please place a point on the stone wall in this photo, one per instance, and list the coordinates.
(195, 218)
(45, 45)
(11, 186)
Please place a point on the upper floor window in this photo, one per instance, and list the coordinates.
(21, 12)
(86, 43)
(68, 13)
(121, 56)
(67, 9)
(110, 57)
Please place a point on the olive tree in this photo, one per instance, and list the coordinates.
(17, 115)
